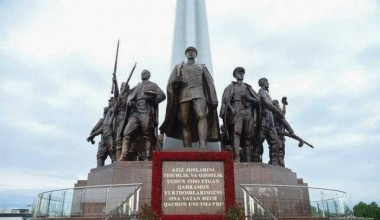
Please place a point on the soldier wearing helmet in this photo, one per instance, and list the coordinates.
(192, 97)
(268, 129)
(240, 104)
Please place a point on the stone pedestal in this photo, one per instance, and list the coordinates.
(124, 172)
(260, 173)
(284, 199)
(141, 172)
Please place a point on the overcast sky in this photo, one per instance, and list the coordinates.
(57, 57)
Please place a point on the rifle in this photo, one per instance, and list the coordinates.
(130, 75)
(115, 68)
(125, 120)
(302, 141)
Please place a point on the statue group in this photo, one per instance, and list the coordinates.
(129, 127)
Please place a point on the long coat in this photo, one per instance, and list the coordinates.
(225, 112)
(172, 126)
(149, 86)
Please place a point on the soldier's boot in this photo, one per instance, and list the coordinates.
(273, 152)
(270, 155)
(118, 149)
(236, 146)
(125, 149)
(118, 153)
(274, 159)
(113, 156)
(202, 144)
(247, 151)
(148, 152)
(255, 152)
(281, 160)
(202, 133)
(186, 138)
(255, 157)
(100, 162)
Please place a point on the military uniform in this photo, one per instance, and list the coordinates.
(121, 106)
(239, 116)
(280, 129)
(106, 144)
(268, 130)
(141, 117)
(192, 97)
(108, 136)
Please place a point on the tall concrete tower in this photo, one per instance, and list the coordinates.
(191, 30)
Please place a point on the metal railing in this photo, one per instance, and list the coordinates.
(90, 201)
(286, 201)
(254, 209)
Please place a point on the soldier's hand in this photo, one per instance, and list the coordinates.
(178, 78)
(214, 105)
(131, 104)
(91, 139)
(284, 100)
(150, 99)
(300, 144)
(233, 110)
(282, 116)
(177, 81)
(249, 99)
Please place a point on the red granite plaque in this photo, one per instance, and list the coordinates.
(192, 185)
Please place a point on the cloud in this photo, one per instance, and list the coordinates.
(368, 57)
(38, 128)
(57, 58)
(27, 179)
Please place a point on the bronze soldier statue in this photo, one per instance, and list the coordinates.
(104, 127)
(120, 107)
(191, 108)
(102, 150)
(283, 129)
(268, 130)
(240, 104)
(141, 116)
(225, 141)
(281, 126)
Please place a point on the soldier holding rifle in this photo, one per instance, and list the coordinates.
(283, 129)
(268, 130)
(141, 115)
(106, 126)
(240, 104)
(121, 105)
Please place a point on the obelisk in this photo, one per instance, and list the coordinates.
(191, 29)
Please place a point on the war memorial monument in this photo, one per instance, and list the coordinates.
(199, 163)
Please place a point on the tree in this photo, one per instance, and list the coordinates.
(369, 211)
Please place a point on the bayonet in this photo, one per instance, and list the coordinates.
(130, 75)
(115, 68)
